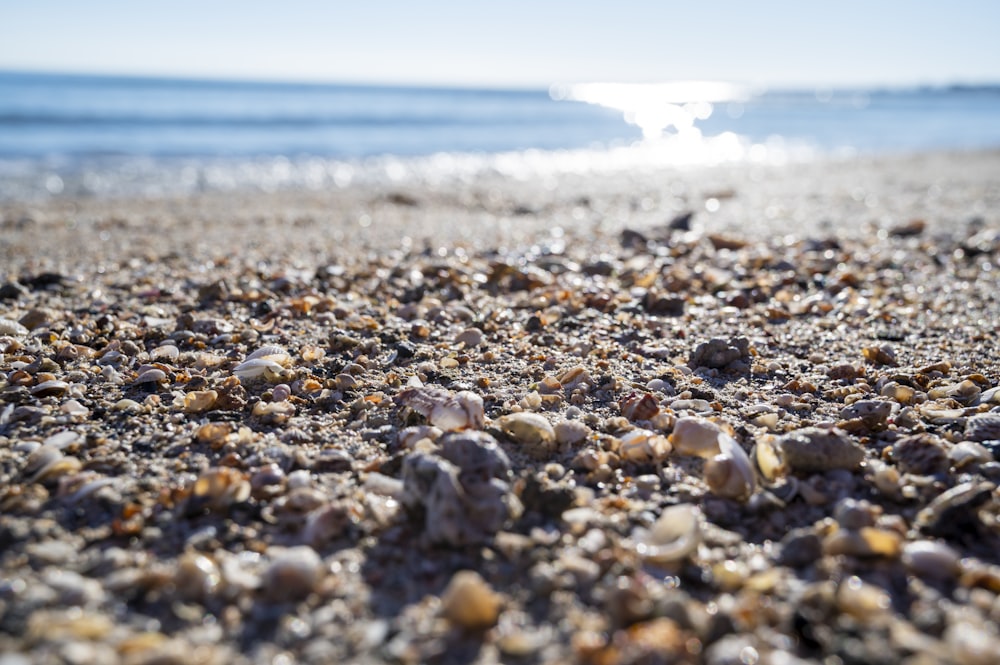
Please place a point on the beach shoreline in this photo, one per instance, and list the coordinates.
(311, 503)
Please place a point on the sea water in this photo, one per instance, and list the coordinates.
(71, 135)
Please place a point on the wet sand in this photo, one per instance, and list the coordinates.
(734, 414)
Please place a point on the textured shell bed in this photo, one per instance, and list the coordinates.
(222, 447)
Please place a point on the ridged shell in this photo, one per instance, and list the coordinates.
(817, 449)
(983, 427)
(639, 407)
(255, 367)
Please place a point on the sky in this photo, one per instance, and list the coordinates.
(514, 43)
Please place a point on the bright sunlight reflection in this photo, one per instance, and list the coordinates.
(655, 107)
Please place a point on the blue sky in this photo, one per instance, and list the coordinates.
(512, 43)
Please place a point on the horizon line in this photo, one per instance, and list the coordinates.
(307, 81)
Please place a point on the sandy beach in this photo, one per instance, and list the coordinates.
(732, 414)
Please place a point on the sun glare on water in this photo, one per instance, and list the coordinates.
(655, 107)
(667, 114)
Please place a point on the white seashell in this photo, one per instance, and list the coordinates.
(696, 436)
(166, 351)
(442, 409)
(52, 388)
(150, 376)
(728, 472)
(642, 445)
(270, 352)
(256, 367)
(769, 459)
(730, 477)
(990, 396)
(674, 536)
(13, 328)
(571, 432)
(530, 429)
(62, 439)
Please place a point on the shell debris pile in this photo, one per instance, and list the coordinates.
(554, 440)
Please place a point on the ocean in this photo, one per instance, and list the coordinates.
(73, 135)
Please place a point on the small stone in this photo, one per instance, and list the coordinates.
(292, 574)
(719, 353)
(469, 602)
(470, 337)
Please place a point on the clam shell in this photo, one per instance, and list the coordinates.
(255, 367)
(152, 375)
(674, 536)
(52, 388)
(530, 429)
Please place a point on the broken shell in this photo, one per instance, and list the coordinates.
(325, 524)
(530, 429)
(459, 509)
(199, 401)
(674, 536)
(879, 355)
(571, 432)
(870, 414)
(642, 445)
(769, 459)
(863, 542)
(408, 436)
(817, 449)
(217, 489)
(728, 472)
(469, 602)
(575, 377)
(443, 409)
(51, 388)
(964, 453)
(639, 407)
(965, 392)
(696, 436)
(13, 328)
(983, 427)
(920, 454)
(898, 392)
